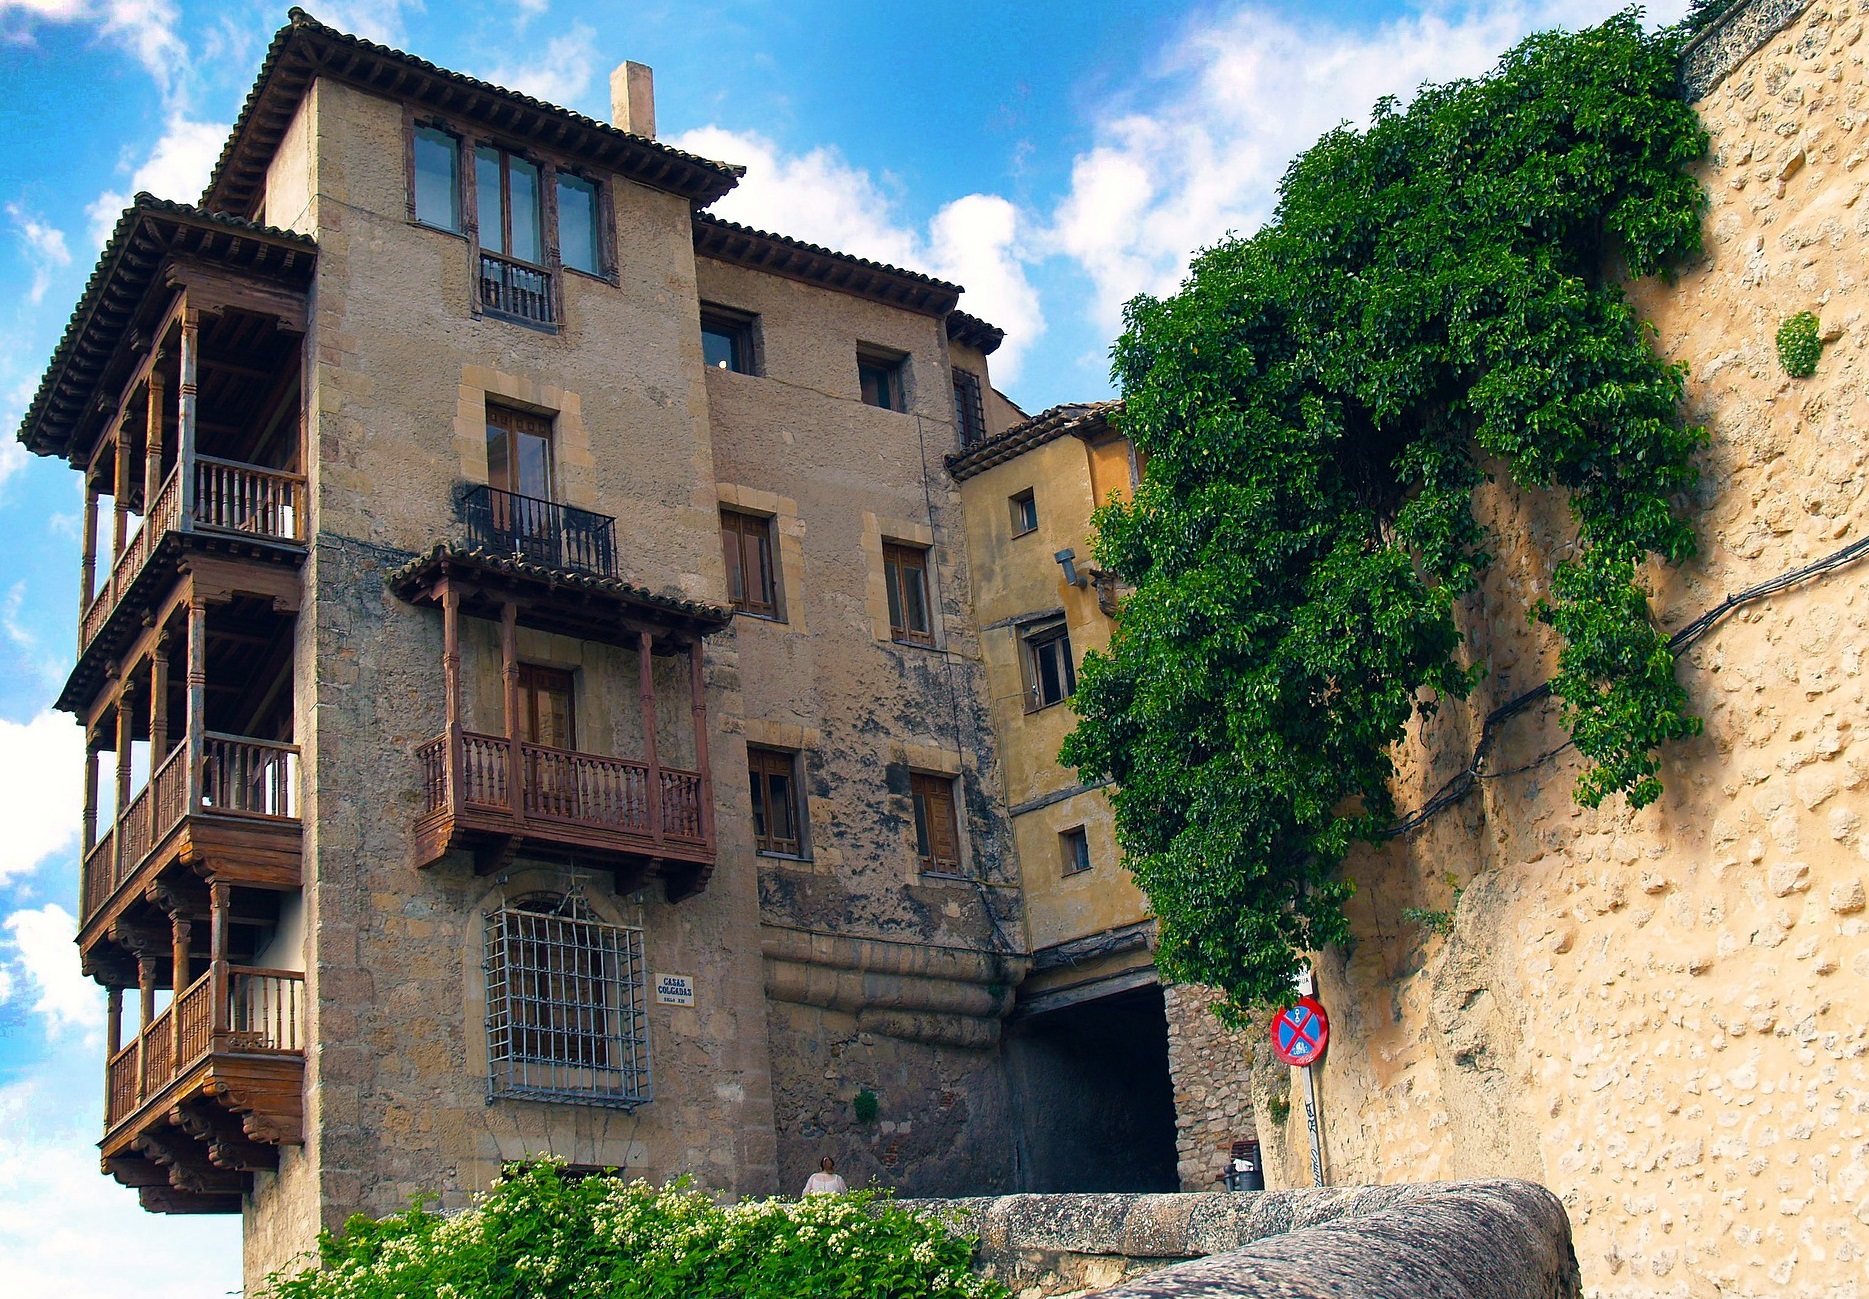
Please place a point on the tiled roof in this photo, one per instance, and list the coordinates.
(305, 49)
(406, 579)
(760, 250)
(1074, 417)
(148, 231)
(971, 331)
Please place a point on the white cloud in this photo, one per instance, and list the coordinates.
(976, 240)
(58, 1207)
(43, 246)
(1255, 88)
(42, 950)
(374, 20)
(146, 28)
(177, 169)
(562, 76)
(41, 790)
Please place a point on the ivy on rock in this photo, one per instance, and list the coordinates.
(1314, 405)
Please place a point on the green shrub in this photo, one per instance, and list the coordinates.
(1799, 345)
(540, 1235)
(865, 1106)
(1435, 922)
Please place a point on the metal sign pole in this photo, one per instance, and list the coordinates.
(1310, 1118)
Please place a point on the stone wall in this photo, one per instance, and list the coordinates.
(1480, 1239)
(1660, 1014)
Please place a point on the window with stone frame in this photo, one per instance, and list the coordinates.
(905, 575)
(752, 578)
(566, 1015)
(778, 810)
(937, 827)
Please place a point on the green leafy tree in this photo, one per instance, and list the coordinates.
(1313, 405)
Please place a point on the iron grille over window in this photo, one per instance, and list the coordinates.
(544, 532)
(969, 413)
(565, 1007)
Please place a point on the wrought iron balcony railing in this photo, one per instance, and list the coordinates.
(556, 536)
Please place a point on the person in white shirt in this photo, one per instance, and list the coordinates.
(825, 1181)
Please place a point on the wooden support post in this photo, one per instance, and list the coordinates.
(159, 702)
(197, 697)
(451, 678)
(515, 731)
(697, 685)
(181, 931)
(185, 454)
(90, 793)
(146, 984)
(120, 488)
(220, 901)
(87, 586)
(152, 444)
(113, 1022)
(646, 690)
(120, 865)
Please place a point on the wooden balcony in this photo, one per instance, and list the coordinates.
(237, 822)
(225, 500)
(208, 1091)
(648, 819)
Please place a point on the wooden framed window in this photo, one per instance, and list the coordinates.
(752, 584)
(1024, 506)
(580, 247)
(879, 377)
(547, 707)
(905, 573)
(435, 180)
(937, 831)
(507, 187)
(519, 452)
(1074, 847)
(969, 410)
(778, 812)
(727, 340)
(1050, 675)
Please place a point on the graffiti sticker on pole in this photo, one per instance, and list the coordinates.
(1301, 1032)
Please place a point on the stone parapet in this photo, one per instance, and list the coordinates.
(1497, 1237)
(1730, 39)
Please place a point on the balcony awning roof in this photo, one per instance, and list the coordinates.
(583, 605)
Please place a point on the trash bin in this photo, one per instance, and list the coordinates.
(1244, 1171)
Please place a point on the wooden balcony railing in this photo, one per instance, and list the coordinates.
(239, 777)
(230, 1010)
(515, 289)
(579, 792)
(229, 497)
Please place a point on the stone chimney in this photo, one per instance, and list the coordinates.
(632, 99)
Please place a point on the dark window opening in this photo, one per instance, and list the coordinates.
(547, 714)
(778, 817)
(1024, 512)
(1050, 675)
(937, 832)
(905, 573)
(969, 410)
(879, 376)
(1075, 845)
(727, 340)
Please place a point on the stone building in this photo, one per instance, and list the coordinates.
(537, 692)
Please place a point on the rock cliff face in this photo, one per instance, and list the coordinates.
(1661, 1015)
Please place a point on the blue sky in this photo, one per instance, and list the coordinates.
(1055, 158)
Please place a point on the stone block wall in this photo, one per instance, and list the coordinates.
(1660, 1014)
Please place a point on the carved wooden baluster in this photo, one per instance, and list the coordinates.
(646, 689)
(697, 684)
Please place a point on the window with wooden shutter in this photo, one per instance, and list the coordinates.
(1075, 846)
(752, 585)
(937, 831)
(905, 572)
(1050, 674)
(778, 820)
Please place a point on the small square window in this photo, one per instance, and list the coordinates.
(727, 340)
(879, 376)
(905, 572)
(1050, 675)
(1024, 513)
(437, 179)
(937, 832)
(778, 812)
(1075, 845)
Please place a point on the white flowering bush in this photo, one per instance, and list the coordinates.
(540, 1235)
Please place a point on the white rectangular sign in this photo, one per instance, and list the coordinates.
(674, 989)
